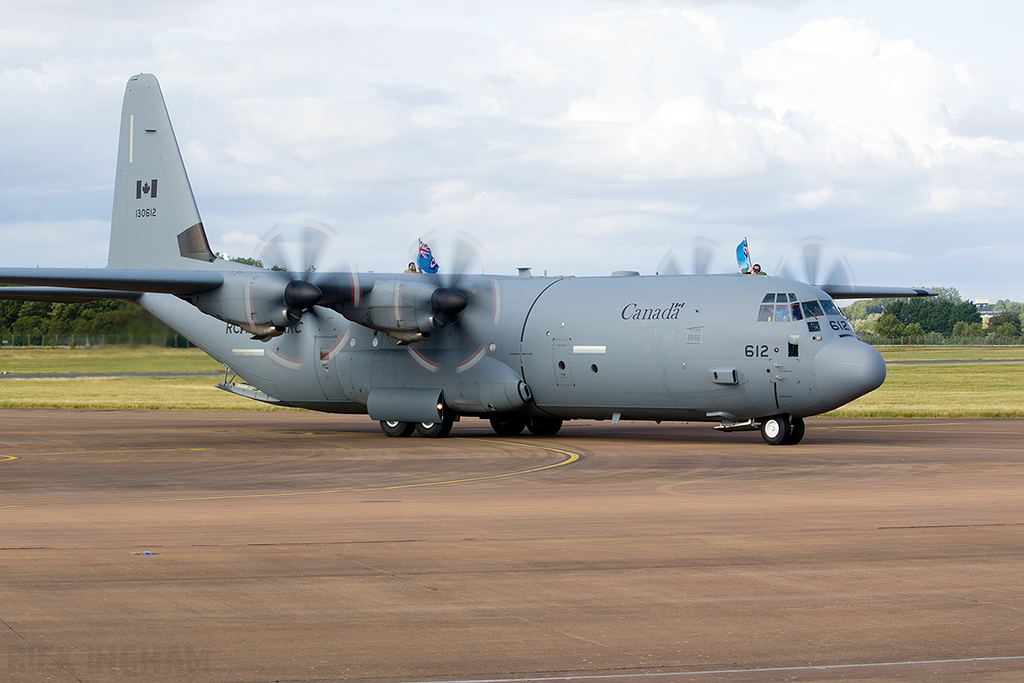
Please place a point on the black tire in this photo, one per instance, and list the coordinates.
(544, 426)
(434, 430)
(508, 426)
(775, 430)
(796, 431)
(395, 428)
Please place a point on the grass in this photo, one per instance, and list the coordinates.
(960, 390)
(36, 360)
(955, 390)
(123, 393)
(134, 393)
(899, 353)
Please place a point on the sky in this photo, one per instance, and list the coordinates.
(575, 138)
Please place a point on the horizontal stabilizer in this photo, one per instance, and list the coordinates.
(123, 280)
(857, 292)
(64, 295)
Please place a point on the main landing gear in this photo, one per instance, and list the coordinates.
(782, 430)
(396, 428)
(503, 426)
(538, 426)
(508, 426)
(434, 430)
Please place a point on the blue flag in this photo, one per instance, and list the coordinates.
(743, 255)
(425, 259)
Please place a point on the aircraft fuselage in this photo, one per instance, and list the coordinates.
(703, 348)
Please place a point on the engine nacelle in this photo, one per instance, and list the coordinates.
(252, 300)
(400, 309)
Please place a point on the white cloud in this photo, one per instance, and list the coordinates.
(581, 137)
(43, 242)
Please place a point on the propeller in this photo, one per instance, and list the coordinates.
(452, 296)
(703, 252)
(296, 247)
(811, 254)
(464, 308)
(297, 252)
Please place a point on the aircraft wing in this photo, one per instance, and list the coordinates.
(120, 283)
(859, 292)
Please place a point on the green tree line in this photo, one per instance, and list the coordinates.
(946, 316)
(29, 319)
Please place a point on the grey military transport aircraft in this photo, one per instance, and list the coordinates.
(417, 353)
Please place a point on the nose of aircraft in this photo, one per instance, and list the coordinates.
(847, 368)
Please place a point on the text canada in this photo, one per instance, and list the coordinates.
(634, 311)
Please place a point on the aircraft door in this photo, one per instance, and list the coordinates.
(785, 368)
(779, 318)
(326, 357)
(562, 362)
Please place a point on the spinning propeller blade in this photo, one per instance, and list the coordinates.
(452, 297)
(811, 253)
(703, 252)
(297, 250)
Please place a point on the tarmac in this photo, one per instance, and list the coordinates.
(295, 546)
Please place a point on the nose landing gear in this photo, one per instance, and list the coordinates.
(782, 430)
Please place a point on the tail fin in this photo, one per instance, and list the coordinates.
(155, 223)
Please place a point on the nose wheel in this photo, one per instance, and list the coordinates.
(782, 430)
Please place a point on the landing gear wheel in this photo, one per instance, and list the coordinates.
(434, 430)
(775, 430)
(544, 426)
(507, 426)
(796, 431)
(396, 428)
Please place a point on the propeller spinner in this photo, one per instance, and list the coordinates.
(299, 297)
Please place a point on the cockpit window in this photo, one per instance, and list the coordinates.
(784, 306)
(830, 308)
(793, 306)
(812, 309)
